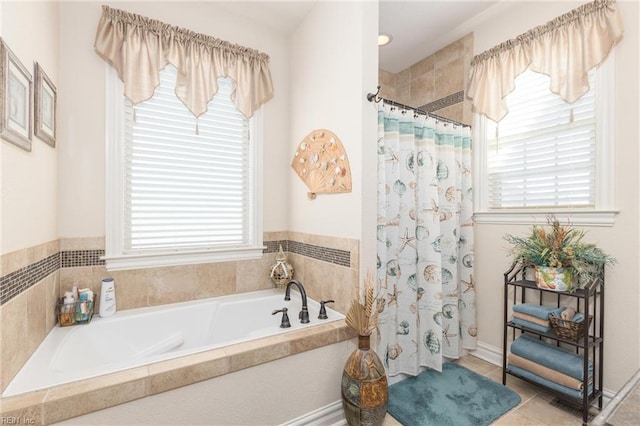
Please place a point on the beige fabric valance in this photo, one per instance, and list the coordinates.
(139, 47)
(565, 49)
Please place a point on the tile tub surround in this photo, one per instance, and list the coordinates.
(55, 404)
(327, 266)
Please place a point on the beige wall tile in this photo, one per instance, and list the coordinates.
(467, 112)
(422, 67)
(252, 275)
(56, 410)
(11, 262)
(89, 243)
(422, 89)
(318, 275)
(42, 251)
(215, 279)
(386, 78)
(36, 315)
(449, 53)
(31, 415)
(131, 288)
(171, 284)
(403, 77)
(275, 235)
(452, 112)
(82, 276)
(13, 327)
(403, 93)
(449, 78)
(388, 92)
(52, 293)
(297, 261)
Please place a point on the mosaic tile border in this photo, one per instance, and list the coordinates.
(21, 280)
(454, 98)
(73, 258)
(326, 254)
(335, 256)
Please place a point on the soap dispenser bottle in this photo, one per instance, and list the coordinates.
(107, 298)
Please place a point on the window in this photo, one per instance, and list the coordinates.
(181, 190)
(547, 155)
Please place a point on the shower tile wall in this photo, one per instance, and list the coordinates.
(436, 83)
(30, 285)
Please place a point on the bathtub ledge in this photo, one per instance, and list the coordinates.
(47, 406)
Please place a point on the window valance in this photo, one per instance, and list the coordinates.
(565, 49)
(139, 47)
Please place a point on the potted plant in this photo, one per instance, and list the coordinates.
(562, 261)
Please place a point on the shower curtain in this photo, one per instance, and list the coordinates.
(425, 284)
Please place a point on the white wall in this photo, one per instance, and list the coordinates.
(333, 66)
(28, 180)
(622, 318)
(82, 156)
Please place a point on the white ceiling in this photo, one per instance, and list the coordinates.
(419, 27)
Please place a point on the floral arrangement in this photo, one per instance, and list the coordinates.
(559, 247)
(363, 315)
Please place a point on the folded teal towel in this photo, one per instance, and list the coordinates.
(537, 311)
(579, 317)
(531, 325)
(546, 382)
(553, 357)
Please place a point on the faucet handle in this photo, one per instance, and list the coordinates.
(285, 317)
(323, 310)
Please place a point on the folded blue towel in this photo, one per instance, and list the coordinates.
(548, 383)
(531, 325)
(553, 357)
(579, 317)
(537, 311)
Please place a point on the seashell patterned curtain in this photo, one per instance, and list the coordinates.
(425, 241)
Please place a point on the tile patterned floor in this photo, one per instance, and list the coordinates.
(534, 409)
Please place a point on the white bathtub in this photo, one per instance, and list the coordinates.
(142, 336)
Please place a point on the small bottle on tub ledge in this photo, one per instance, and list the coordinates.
(107, 298)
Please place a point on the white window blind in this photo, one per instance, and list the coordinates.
(186, 181)
(543, 153)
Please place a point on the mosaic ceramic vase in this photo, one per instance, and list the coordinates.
(364, 386)
(556, 279)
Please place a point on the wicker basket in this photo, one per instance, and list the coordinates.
(569, 329)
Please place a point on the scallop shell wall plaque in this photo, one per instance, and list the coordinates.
(322, 163)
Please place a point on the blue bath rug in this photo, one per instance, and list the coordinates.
(455, 397)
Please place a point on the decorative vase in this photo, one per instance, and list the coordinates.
(364, 386)
(556, 279)
(281, 271)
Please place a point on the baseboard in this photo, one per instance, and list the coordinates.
(493, 355)
(332, 414)
(489, 353)
(329, 415)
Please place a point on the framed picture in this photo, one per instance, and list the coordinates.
(45, 107)
(15, 99)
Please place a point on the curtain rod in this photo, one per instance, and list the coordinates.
(373, 97)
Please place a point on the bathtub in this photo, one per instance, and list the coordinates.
(144, 336)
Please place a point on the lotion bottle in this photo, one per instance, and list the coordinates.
(107, 298)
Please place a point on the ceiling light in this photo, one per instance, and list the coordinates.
(384, 39)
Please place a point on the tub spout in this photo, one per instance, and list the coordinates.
(304, 313)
